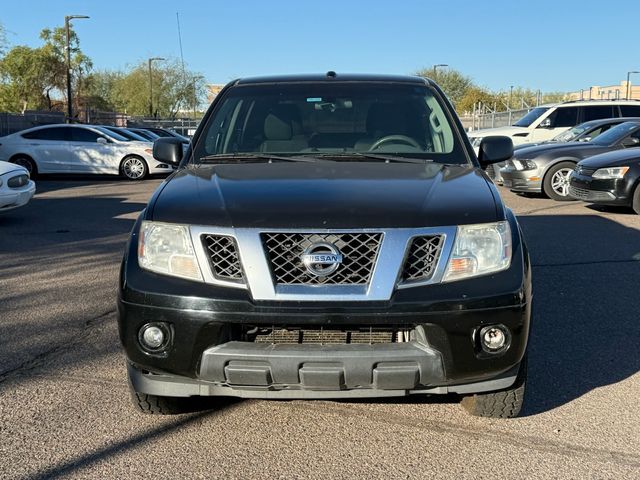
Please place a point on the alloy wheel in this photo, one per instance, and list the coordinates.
(560, 181)
(133, 168)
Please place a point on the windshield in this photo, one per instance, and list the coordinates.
(615, 134)
(330, 120)
(112, 134)
(530, 117)
(572, 133)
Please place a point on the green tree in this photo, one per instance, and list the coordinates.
(453, 83)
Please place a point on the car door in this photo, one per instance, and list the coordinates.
(561, 119)
(92, 152)
(50, 148)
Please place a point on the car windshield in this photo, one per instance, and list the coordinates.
(331, 120)
(530, 117)
(615, 134)
(112, 134)
(572, 133)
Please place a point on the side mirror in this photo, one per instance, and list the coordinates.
(168, 150)
(546, 123)
(495, 149)
(102, 140)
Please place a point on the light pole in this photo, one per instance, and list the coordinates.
(151, 84)
(435, 67)
(67, 52)
(510, 95)
(629, 83)
(195, 94)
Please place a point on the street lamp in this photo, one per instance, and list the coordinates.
(67, 19)
(151, 84)
(628, 82)
(195, 94)
(435, 67)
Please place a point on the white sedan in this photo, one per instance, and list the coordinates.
(80, 149)
(16, 188)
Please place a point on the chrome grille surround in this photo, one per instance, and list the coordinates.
(384, 279)
(284, 251)
(223, 257)
(422, 257)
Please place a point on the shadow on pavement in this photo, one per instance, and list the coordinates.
(143, 439)
(586, 325)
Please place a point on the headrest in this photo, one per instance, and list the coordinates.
(282, 123)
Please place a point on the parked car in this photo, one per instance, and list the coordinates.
(580, 133)
(150, 136)
(329, 236)
(79, 149)
(16, 188)
(546, 168)
(167, 133)
(547, 121)
(128, 134)
(611, 178)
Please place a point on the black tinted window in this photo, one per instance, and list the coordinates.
(630, 110)
(564, 117)
(597, 112)
(83, 135)
(58, 133)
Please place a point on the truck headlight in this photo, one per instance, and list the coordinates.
(610, 173)
(167, 248)
(478, 250)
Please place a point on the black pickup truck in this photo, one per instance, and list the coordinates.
(327, 236)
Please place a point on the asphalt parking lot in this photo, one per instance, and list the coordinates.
(65, 410)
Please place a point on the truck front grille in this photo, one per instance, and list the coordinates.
(330, 337)
(358, 250)
(422, 258)
(223, 257)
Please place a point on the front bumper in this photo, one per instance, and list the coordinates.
(209, 354)
(521, 180)
(19, 197)
(601, 191)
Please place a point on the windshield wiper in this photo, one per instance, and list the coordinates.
(260, 156)
(392, 158)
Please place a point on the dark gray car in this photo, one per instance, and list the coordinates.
(546, 168)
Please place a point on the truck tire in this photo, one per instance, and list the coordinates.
(556, 182)
(156, 405)
(501, 404)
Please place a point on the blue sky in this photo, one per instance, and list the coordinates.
(550, 45)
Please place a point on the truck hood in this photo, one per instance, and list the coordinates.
(326, 195)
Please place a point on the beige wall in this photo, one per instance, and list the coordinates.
(609, 92)
(212, 91)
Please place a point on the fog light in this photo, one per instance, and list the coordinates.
(153, 337)
(494, 339)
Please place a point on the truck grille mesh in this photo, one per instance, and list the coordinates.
(359, 252)
(223, 257)
(325, 337)
(422, 258)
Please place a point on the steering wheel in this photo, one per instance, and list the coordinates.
(395, 138)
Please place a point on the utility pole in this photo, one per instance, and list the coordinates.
(435, 67)
(67, 54)
(151, 84)
(629, 84)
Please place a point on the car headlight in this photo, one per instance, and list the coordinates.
(478, 250)
(610, 173)
(167, 248)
